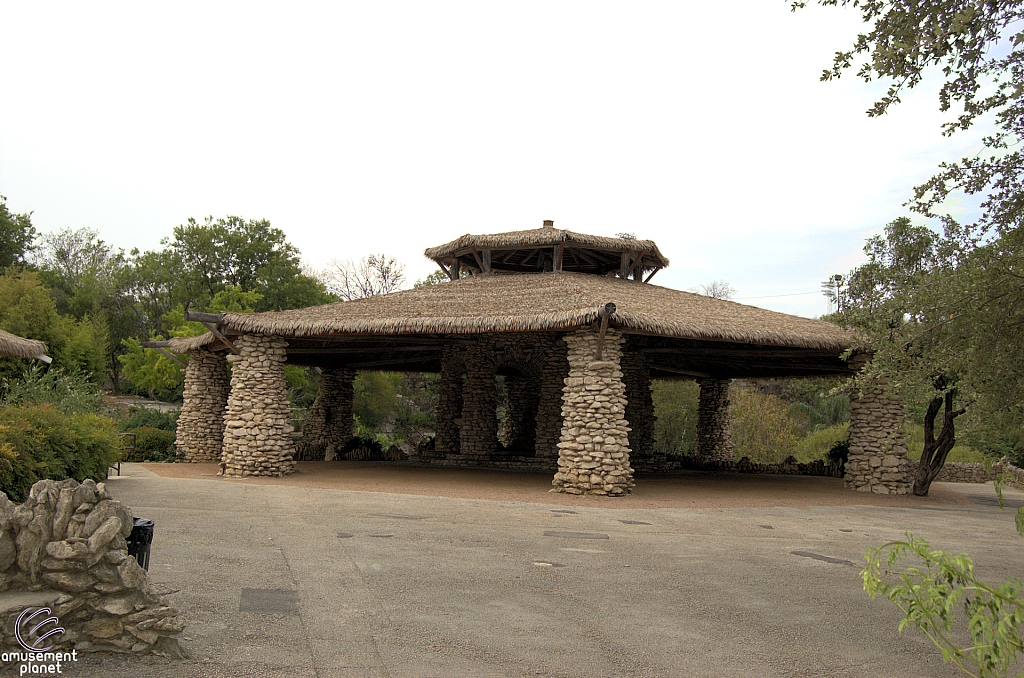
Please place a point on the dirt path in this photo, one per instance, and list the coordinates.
(687, 490)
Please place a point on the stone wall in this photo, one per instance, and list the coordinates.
(878, 451)
(258, 424)
(961, 472)
(713, 417)
(66, 544)
(331, 422)
(554, 368)
(200, 431)
(449, 400)
(478, 427)
(594, 446)
(518, 434)
(639, 402)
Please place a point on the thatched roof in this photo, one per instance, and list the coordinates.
(511, 250)
(545, 301)
(13, 346)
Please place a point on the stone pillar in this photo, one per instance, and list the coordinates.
(479, 425)
(200, 433)
(331, 422)
(258, 423)
(594, 448)
(449, 401)
(878, 451)
(639, 403)
(713, 442)
(554, 370)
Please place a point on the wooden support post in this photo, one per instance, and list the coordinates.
(455, 269)
(606, 311)
(479, 261)
(556, 259)
(624, 266)
(486, 256)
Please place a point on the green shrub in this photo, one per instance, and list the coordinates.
(71, 391)
(959, 453)
(675, 409)
(818, 444)
(761, 427)
(41, 441)
(144, 416)
(151, 444)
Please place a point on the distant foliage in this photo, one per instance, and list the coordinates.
(818, 444)
(138, 417)
(368, 277)
(70, 391)
(761, 427)
(41, 441)
(675, 407)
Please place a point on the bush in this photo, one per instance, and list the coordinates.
(818, 444)
(675, 409)
(761, 427)
(38, 442)
(71, 391)
(151, 444)
(144, 416)
(959, 453)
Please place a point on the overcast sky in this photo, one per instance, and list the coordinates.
(362, 127)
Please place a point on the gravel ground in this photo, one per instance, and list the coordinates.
(381, 570)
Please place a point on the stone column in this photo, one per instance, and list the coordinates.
(639, 403)
(713, 442)
(258, 423)
(331, 422)
(449, 401)
(554, 370)
(878, 451)
(200, 431)
(594, 448)
(479, 426)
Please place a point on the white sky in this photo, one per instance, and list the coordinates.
(361, 127)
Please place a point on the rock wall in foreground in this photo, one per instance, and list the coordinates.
(68, 540)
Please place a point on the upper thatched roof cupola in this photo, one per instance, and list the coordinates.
(549, 249)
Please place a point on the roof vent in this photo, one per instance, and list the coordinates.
(549, 223)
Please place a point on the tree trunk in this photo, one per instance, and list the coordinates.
(933, 456)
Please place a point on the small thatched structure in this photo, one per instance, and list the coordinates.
(570, 321)
(13, 346)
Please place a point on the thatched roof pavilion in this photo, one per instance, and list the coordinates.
(571, 320)
(687, 334)
(13, 346)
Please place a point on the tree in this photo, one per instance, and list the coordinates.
(370, 276)
(718, 289)
(17, 236)
(948, 299)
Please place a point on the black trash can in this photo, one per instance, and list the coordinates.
(140, 540)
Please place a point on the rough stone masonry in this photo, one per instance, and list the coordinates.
(878, 451)
(66, 545)
(258, 423)
(200, 430)
(594, 447)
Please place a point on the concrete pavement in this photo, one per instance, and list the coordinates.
(289, 581)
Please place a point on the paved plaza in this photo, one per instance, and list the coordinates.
(285, 580)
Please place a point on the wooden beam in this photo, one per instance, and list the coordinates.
(446, 271)
(171, 356)
(633, 267)
(606, 311)
(479, 261)
(340, 350)
(195, 316)
(155, 344)
(224, 340)
(648, 278)
(687, 373)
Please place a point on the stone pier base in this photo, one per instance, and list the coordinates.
(200, 430)
(331, 422)
(713, 441)
(258, 424)
(594, 446)
(878, 450)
